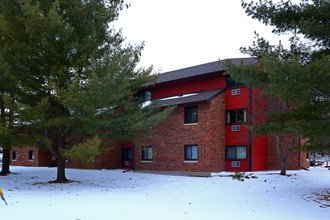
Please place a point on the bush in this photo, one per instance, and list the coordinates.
(241, 176)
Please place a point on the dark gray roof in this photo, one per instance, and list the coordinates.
(193, 98)
(199, 70)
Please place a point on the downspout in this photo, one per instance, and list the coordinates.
(250, 132)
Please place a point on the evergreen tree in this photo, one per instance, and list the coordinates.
(78, 78)
(10, 132)
(298, 75)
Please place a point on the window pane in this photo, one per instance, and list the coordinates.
(230, 153)
(144, 153)
(194, 153)
(194, 114)
(241, 152)
(228, 117)
(31, 155)
(230, 82)
(188, 153)
(241, 116)
(144, 95)
(126, 154)
(147, 96)
(129, 154)
(236, 116)
(14, 155)
(191, 153)
(149, 153)
(190, 114)
(233, 117)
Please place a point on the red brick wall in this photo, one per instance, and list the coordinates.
(110, 159)
(259, 142)
(207, 134)
(297, 158)
(41, 157)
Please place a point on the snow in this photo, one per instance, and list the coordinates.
(115, 194)
(178, 96)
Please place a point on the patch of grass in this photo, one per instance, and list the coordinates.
(240, 176)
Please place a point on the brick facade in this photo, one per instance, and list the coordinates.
(40, 157)
(296, 160)
(208, 134)
(110, 159)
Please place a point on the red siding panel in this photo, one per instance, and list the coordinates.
(210, 82)
(237, 137)
(244, 165)
(259, 153)
(259, 142)
(241, 137)
(237, 101)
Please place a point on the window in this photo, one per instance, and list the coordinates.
(31, 154)
(15, 155)
(190, 152)
(237, 116)
(144, 95)
(190, 114)
(230, 83)
(126, 154)
(236, 153)
(146, 153)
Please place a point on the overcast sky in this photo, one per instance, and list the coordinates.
(183, 33)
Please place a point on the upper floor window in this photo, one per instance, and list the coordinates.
(147, 153)
(190, 114)
(144, 95)
(236, 116)
(230, 83)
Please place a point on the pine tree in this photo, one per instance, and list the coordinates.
(9, 114)
(298, 75)
(78, 77)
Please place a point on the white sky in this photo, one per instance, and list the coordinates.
(183, 33)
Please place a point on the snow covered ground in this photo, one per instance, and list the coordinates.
(114, 194)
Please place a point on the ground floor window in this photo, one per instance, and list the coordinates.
(15, 155)
(190, 152)
(126, 154)
(236, 153)
(31, 154)
(147, 153)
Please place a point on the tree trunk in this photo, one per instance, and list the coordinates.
(280, 153)
(283, 168)
(61, 171)
(284, 157)
(5, 162)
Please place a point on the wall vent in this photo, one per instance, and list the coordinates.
(235, 91)
(235, 128)
(235, 164)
